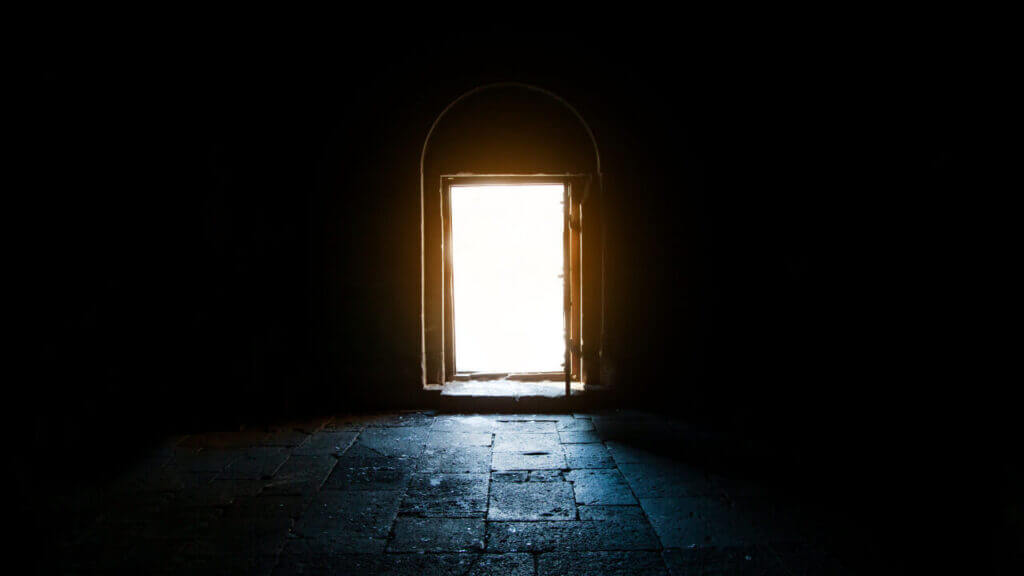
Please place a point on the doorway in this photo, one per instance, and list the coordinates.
(507, 289)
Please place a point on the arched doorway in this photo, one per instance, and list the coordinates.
(512, 134)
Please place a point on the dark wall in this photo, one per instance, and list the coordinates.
(214, 239)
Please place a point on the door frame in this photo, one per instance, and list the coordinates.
(574, 186)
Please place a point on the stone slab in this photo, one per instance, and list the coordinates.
(327, 442)
(579, 437)
(437, 535)
(601, 564)
(528, 460)
(606, 487)
(531, 501)
(301, 475)
(338, 521)
(587, 456)
(515, 442)
(573, 536)
(456, 459)
(446, 495)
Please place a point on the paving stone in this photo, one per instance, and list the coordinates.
(571, 536)
(167, 479)
(256, 463)
(685, 522)
(579, 437)
(678, 522)
(334, 442)
(587, 456)
(627, 453)
(346, 422)
(236, 439)
(319, 555)
(513, 476)
(446, 495)
(445, 440)
(401, 442)
(471, 423)
(285, 437)
(553, 475)
(247, 545)
(667, 479)
(309, 425)
(359, 452)
(268, 506)
(301, 475)
(651, 434)
(525, 426)
(346, 522)
(531, 501)
(622, 513)
(489, 564)
(204, 461)
(555, 417)
(218, 493)
(527, 460)
(456, 459)
(437, 535)
(380, 473)
(216, 564)
(575, 425)
(606, 487)
(464, 564)
(402, 419)
(601, 564)
(627, 414)
(514, 442)
(774, 525)
(740, 561)
(806, 560)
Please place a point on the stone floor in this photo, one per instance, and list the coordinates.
(423, 493)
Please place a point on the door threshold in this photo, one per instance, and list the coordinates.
(553, 376)
(510, 388)
(511, 396)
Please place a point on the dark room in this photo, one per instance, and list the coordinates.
(540, 298)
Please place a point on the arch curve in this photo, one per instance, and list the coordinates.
(495, 85)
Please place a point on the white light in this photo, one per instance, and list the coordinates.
(507, 266)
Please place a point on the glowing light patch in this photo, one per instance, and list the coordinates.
(507, 266)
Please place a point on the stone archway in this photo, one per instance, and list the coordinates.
(509, 129)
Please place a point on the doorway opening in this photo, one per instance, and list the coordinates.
(507, 258)
(509, 133)
(512, 278)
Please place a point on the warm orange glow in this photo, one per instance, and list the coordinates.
(507, 266)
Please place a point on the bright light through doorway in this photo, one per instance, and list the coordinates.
(507, 266)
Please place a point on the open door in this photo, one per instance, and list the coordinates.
(573, 243)
(566, 285)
